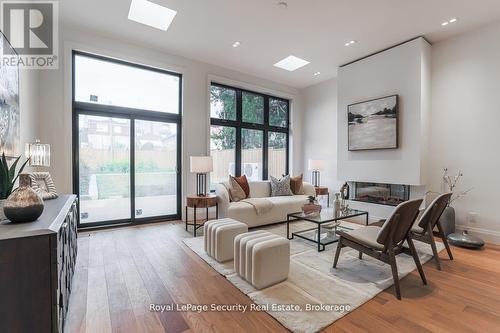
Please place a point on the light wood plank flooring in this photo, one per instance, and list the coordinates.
(120, 272)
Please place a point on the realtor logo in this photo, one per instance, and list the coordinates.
(31, 27)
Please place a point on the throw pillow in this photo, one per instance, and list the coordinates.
(280, 187)
(235, 191)
(243, 182)
(296, 184)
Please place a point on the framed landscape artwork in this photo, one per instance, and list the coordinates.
(373, 124)
(9, 102)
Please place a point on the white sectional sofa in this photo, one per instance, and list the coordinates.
(246, 213)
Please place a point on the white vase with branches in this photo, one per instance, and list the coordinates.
(451, 182)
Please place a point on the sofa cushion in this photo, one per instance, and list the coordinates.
(280, 187)
(296, 184)
(243, 182)
(285, 200)
(235, 191)
(260, 189)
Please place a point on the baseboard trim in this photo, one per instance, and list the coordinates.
(489, 236)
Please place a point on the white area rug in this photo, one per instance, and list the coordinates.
(312, 280)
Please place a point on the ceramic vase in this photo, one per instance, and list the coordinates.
(24, 204)
(337, 203)
(447, 220)
(311, 208)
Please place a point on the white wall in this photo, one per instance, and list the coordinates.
(320, 131)
(56, 110)
(465, 122)
(396, 71)
(461, 126)
(28, 106)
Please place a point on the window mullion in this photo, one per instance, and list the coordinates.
(265, 146)
(239, 116)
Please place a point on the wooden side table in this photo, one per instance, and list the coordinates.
(320, 190)
(196, 202)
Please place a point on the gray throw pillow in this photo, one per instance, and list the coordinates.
(280, 187)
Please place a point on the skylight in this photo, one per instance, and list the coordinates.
(151, 14)
(291, 63)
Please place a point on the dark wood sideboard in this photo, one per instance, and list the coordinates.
(37, 261)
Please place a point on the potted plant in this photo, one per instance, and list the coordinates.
(8, 178)
(312, 206)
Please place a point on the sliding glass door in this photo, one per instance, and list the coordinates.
(104, 168)
(126, 142)
(155, 168)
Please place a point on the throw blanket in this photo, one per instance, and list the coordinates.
(260, 205)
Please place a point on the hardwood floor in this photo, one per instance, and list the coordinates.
(120, 272)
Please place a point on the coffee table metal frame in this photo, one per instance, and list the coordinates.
(298, 216)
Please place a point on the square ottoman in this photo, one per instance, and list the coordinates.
(262, 258)
(219, 238)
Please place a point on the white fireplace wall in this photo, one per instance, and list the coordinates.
(402, 70)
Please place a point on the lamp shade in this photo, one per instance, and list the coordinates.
(201, 164)
(316, 165)
(38, 153)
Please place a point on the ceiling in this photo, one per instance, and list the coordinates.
(315, 30)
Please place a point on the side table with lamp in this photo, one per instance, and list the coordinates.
(201, 165)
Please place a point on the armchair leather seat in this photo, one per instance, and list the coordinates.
(425, 227)
(366, 236)
(386, 242)
(417, 229)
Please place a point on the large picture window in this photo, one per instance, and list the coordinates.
(249, 134)
(126, 142)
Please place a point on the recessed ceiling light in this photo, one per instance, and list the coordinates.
(317, 73)
(350, 43)
(291, 63)
(236, 44)
(151, 14)
(452, 20)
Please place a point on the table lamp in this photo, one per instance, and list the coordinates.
(38, 154)
(201, 165)
(316, 166)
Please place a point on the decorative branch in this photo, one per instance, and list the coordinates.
(452, 182)
(459, 195)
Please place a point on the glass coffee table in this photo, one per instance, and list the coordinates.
(327, 223)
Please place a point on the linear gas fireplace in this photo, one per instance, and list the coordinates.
(377, 193)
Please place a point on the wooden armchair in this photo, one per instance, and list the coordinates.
(422, 230)
(384, 243)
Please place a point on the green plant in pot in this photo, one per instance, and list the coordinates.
(311, 199)
(312, 206)
(8, 178)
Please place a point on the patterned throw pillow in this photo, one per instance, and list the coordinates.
(236, 193)
(296, 184)
(280, 187)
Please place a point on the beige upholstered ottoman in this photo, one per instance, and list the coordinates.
(262, 258)
(219, 238)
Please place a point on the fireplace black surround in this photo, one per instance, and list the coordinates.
(377, 193)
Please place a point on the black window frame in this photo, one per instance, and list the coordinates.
(85, 108)
(239, 124)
